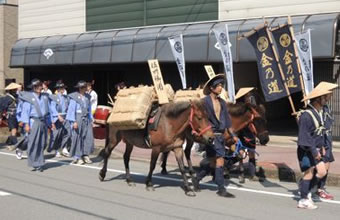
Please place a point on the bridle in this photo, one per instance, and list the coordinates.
(194, 131)
(251, 126)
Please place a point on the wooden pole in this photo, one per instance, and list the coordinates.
(297, 59)
(281, 71)
(111, 101)
(249, 33)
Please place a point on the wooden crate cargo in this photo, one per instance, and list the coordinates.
(131, 108)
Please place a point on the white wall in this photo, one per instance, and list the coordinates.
(50, 17)
(233, 9)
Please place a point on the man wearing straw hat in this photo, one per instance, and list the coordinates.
(311, 145)
(36, 117)
(9, 103)
(221, 123)
(328, 122)
(80, 117)
(61, 135)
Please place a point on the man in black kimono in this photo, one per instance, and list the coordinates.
(221, 123)
(311, 146)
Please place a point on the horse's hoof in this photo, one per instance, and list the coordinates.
(101, 177)
(164, 172)
(190, 193)
(130, 183)
(150, 188)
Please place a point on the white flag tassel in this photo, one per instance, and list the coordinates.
(222, 37)
(304, 45)
(176, 43)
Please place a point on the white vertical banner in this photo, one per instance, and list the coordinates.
(222, 37)
(304, 45)
(176, 43)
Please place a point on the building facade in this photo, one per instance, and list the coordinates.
(111, 41)
(8, 37)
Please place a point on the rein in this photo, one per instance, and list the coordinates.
(194, 131)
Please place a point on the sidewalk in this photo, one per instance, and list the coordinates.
(278, 159)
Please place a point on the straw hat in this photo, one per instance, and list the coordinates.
(12, 86)
(326, 86)
(316, 92)
(206, 88)
(242, 91)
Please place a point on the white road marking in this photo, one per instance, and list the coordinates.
(180, 180)
(2, 193)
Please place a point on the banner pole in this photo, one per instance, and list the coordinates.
(281, 71)
(297, 58)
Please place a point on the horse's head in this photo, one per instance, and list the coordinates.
(258, 124)
(200, 125)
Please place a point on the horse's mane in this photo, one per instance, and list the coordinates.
(238, 109)
(175, 109)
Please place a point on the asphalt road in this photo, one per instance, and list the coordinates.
(65, 191)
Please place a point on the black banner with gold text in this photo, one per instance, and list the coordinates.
(269, 74)
(285, 47)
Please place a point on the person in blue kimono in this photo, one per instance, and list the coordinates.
(35, 116)
(80, 117)
(8, 104)
(328, 157)
(61, 135)
(22, 143)
(220, 121)
(311, 146)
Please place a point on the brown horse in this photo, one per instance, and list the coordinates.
(257, 126)
(241, 115)
(176, 119)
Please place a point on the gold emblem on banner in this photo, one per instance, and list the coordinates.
(285, 40)
(262, 44)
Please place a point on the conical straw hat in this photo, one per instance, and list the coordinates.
(242, 91)
(12, 86)
(316, 93)
(326, 86)
(206, 90)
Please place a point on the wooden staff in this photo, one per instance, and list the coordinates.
(111, 101)
(281, 71)
(253, 31)
(297, 59)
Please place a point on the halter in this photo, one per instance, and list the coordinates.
(251, 125)
(194, 131)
